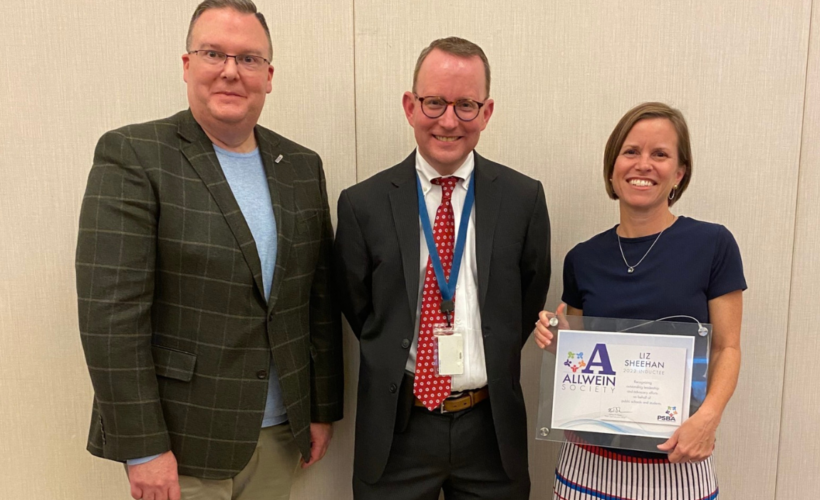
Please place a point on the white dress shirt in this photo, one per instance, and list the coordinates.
(467, 318)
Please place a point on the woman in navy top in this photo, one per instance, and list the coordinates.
(653, 265)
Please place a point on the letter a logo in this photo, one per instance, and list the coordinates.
(606, 366)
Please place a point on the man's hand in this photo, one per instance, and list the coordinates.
(157, 479)
(320, 435)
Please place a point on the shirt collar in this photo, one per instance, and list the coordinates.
(427, 173)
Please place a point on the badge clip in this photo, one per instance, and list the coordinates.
(447, 308)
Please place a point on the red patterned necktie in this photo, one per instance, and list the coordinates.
(430, 388)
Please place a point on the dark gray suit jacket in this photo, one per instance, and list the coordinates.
(177, 334)
(377, 268)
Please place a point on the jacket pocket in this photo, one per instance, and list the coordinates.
(173, 363)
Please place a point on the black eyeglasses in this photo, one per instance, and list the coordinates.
(248, 62)
(434, 106)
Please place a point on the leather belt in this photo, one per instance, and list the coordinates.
(462, 401)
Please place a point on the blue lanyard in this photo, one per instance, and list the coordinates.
(447, 288)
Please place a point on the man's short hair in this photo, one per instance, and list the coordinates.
(242, 6)
(457, 47)
(647, 111)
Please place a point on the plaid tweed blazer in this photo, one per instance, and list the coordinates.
(177, 334)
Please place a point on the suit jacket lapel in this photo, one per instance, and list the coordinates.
(405, 207)
(198, 149)
(487, 203)
(280, 183)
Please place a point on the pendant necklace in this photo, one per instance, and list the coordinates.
(631, 269)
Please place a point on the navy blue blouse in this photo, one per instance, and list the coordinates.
(692, 263)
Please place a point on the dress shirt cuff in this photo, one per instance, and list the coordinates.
(140, 461)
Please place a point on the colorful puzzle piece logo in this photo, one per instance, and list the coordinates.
(575, 366)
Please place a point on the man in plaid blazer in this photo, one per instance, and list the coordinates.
(206, 311)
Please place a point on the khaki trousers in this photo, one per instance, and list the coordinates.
(268, 475)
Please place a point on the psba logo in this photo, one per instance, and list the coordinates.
(669, 416)
(596, 371)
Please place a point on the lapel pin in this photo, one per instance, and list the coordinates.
(278, 159)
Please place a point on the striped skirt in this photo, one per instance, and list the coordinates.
(593, 473)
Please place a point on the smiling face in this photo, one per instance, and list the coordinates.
(223, 96)
(647, 166)
(445, 142)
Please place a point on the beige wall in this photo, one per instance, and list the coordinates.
(799, 447)
(745, 72)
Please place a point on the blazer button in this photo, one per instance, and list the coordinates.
(270, 316)
(262, 374)
(405, 343)
(393, 388)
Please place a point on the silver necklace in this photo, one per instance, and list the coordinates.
(631, 269)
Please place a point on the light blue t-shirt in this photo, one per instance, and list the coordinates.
(245, 173)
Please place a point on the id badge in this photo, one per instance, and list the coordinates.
(449, 350)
